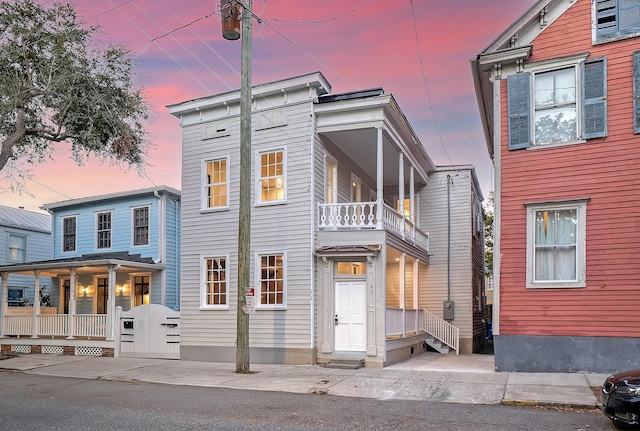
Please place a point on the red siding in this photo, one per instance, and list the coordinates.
(607, 171)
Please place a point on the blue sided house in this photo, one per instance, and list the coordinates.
(108, 255)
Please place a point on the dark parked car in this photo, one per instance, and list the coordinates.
(621, 398)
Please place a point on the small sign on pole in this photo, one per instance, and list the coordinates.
(250, 304)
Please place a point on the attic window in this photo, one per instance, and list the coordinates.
(215, 130)
(616, 19)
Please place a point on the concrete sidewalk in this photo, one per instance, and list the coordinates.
(468, 379)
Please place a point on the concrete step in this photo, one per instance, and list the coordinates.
(437, 345)
(345, 364)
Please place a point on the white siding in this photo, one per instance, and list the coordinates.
(433, 215)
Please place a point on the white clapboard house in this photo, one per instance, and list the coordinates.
(359, 242)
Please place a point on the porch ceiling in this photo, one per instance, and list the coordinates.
(360, 145)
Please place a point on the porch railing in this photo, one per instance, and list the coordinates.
(364, 215)
(441, 330)
(399, 322)
(56, 325)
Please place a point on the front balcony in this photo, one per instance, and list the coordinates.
(365, 215)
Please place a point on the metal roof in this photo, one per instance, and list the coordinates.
(23, 219)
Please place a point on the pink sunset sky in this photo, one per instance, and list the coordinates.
(356, 44)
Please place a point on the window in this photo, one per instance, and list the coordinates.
(141, 226)
(102, 295)
(555, 106)
(69, 228)
(216, 184)
(356, 189)
(272, 280)
(351, 268)
(15, 297)
(140, 290)
(272, 177)
(556, 244)
(103, 239)
(17, 248)
(332, 180)
(214, 288)
(616, 19)
(558, 102)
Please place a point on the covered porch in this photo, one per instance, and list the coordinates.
(78, 313)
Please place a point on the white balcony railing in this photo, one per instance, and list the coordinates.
(364, 215)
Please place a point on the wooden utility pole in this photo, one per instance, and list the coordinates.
(244, 218)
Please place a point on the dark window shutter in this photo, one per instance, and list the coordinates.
(594, 95)
(518, 95)
(606, 18)
(636, 92)
(629, 17)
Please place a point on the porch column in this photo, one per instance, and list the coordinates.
(4, 291)
(111, 303)
(379, 180)
(401, 189)
(72, 303)
(402, 282)
(412, 193)
(416, 292)
(36, 304)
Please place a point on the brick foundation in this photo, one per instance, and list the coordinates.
(36, 349)
(5, 348)
(69, 351)
(107, 352)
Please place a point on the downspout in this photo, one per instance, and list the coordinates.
(177, 253)
(448, 237)
(162, 244)
(313, 228)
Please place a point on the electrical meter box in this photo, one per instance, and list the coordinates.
(448, 310)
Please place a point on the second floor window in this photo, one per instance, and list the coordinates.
(555, 106)
(215, 192)
(272, 176)
(17, 248)
(69, 226)
(141, 226)
(103, 239)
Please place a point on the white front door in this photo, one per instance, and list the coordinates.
(350, 328)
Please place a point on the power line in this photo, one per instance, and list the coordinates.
(319, 21)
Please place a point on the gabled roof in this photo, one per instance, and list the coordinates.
(513, 44)
(23, 219)
(109, 196)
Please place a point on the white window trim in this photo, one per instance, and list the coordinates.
(95, 233)
(355, 179)
(203, 293)
(580, 205)
(549, 66)
(133, 228)
(62, 219)
(258, 177)
(330, 160)
(131, 293)
(94, 290)
(26, 247)
(203, 185)
(258, 287)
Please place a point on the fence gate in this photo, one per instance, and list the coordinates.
(149, 331)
